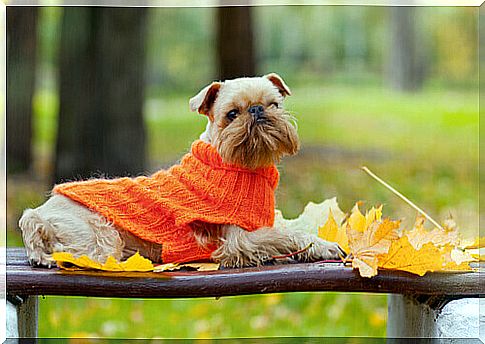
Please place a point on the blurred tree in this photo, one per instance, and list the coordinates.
(406, 63)
(235, 42)
(456, 45)
(354, 37)
(101, 126)
(21, 64)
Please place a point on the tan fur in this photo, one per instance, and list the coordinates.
(63, 225)
(258, 145)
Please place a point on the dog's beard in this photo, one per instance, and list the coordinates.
(251, 143)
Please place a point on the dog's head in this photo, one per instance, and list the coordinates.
(247, 122)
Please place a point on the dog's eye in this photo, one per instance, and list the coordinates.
(232, 114)
(274, 104)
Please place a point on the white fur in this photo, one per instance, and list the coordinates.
(61, 224)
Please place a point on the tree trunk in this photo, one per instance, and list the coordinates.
(405, 66)
(21, 63)
(101, 127)
(235, 42)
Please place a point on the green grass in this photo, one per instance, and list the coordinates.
(424, 144)
(296, 314)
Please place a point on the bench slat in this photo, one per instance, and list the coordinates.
(25, 280)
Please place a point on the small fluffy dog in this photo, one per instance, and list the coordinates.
(217, 204)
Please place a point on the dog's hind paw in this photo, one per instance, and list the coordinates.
(41, 259)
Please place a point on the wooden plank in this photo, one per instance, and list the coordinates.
(25, 280)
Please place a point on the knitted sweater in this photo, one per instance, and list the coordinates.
(160, 208)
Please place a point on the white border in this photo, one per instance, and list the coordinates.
(146, 3)
(3, 174)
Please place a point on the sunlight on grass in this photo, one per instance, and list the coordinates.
(295, 314)
(425, 124)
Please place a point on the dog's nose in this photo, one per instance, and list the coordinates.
(257, 111)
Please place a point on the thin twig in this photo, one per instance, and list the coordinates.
(397, 193)
(294, 253)
(347, 259)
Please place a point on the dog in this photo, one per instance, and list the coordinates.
(222, 205)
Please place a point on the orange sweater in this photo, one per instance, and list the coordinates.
(161, 207)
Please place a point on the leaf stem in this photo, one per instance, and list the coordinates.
(397, 193)
(294, 253)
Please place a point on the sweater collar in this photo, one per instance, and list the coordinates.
(208, 155)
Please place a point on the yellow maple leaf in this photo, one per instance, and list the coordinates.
(375, 240)
(403, 256)
(419, 236)
(477, 253)
(477, 244)
(111, 264)
(374, 214)
(330, 231)
(357, 221)
(67, 261)
(136, 262)
(197, 266)
(360, 222)
(203, 266)
(455, 259)
(166, 267)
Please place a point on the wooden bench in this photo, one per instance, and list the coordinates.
(415, 303)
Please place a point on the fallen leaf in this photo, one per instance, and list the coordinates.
(403, 256)
(312, 218)
(478, 243)
(330, 231)
(166, 267)
(196, 266)
(357, 221)
(458, 256)
(111, 264)
(455, 259)
(136, 262)
(203, 266)
(477, 253)
(67, 261)
(374, 214)
(376, 239)
(419, 236)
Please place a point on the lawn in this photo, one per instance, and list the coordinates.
(425, 144)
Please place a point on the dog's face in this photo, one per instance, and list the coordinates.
(247, 122)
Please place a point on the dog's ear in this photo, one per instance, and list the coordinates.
(203, 101)
(279, 83)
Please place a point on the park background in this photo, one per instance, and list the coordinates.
(104, 91)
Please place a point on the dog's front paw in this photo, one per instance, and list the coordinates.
(328, 250)
(322, 250)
